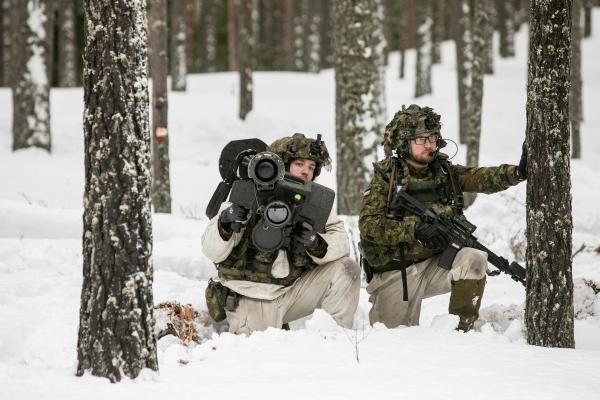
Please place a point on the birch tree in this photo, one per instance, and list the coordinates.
(116, 325)
(158, 67)
(549, 286)
(31, 90)
(359, 95)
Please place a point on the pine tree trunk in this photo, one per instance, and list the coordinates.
(67, 71)
(3, 48)
(210, 35)
(489, 37)
(158, 67)
(31, 90)
(587, 25)
(575, 101)
(195, 36)
(358, 66)
(116, 331)
(312, 28)
(245, 43)
(479, 25)
(549, 290)
(232, 35)
(437, 31)
(178, 61)
(327, 34)
(287, 38)
(401, 21)
(506, 15)
(464, 60)
(424, 47)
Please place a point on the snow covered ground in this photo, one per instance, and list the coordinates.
(40, 258)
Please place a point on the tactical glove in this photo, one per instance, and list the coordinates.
(430, 235)
(307, 236)
(233, 213)
(522, 168)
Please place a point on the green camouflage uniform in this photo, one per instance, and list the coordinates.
(387, 238)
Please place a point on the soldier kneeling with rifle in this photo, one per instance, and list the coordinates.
(280, 250)
(415, 241)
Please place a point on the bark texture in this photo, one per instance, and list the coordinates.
(575, 101)
(116, 329)
(424, 47)
(401, 23)
(245, 43)
(549, 289)
(31, 89)
(158, 66)
(67, 52)
(464, 60)
(506, 24)
(360, 109)
(178, 60)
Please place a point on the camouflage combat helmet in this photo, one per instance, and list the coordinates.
(409, 123)
(299, 146)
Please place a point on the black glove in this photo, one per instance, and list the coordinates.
(430, 235)
(522, 168)
(307, 236)
(233, 213)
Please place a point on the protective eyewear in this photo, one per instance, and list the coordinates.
(423, 139)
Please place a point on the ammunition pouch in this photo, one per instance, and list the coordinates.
(220, 298)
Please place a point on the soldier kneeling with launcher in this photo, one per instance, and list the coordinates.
(411, 224)
(258, 288)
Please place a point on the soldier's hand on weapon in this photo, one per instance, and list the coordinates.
(522, 168)
(307, 235)
(430, 235)
(233, 214)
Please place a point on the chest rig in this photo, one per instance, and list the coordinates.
(246, 262)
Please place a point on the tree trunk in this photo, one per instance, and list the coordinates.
(31, 90)
(358, 67)
(549, 290)
(575, 100)
(464, 60)
(437, 31)
(424, 48)
(506, 21)
(67, 54)
(287, 37)
(245, 43)
(489, 37)
(178, 45)
(116, 330)
(479, 25)
(587, 25)
(312, 28)
(159, 64)
(231, 35)
(195, 36)
(3, 48)
(401, 22)
(327, 34)
(210, 35)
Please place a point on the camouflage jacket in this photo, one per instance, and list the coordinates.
(237, 259)
(384, 238)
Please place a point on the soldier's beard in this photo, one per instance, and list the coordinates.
(425, 157)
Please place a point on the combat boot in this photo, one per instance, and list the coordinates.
(465, 300)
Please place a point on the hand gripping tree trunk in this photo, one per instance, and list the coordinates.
(116, 328)
(178, 44)
(549, 289)
(360, 109)
(424, 47)
(245, 43)
(161, 181)
(575, 101)
(31, 89)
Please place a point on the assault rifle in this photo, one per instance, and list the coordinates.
(459, 233)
